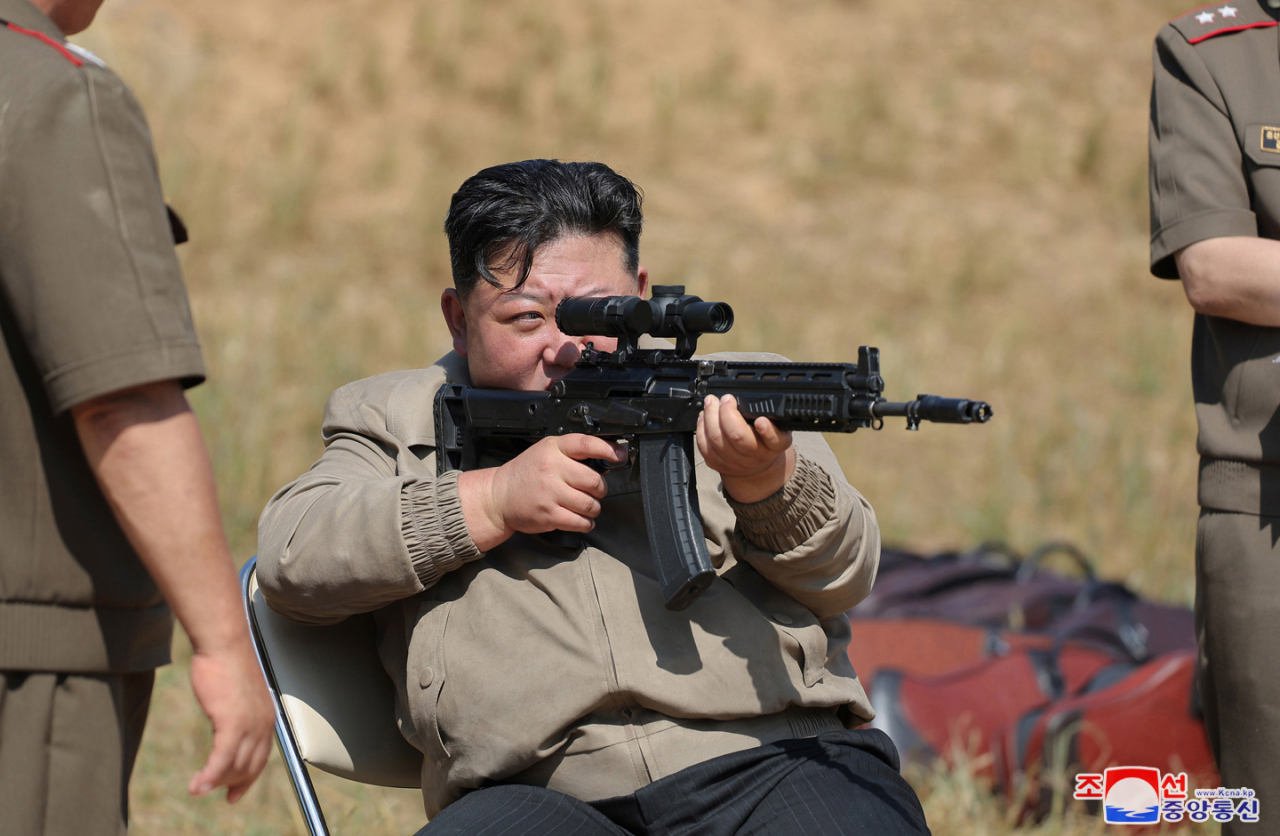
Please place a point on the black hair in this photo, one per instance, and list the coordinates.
(500, 216)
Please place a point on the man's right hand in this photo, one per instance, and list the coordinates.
(545, 488)
(229, 686)
(145, 448)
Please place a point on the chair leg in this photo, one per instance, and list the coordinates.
(302, 786)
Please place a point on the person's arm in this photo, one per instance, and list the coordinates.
(358, 531)
(802, 526)
(1234, 277)
(146, 450)
(365, 527)
(1203, 227)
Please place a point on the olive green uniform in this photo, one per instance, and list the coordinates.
(1215, 172)
(91, 302)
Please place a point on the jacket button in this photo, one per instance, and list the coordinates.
(427, 677)
(782, 618)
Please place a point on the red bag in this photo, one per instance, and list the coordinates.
(1143, 717)
(987, 659)
(955, 715)
(928, 646)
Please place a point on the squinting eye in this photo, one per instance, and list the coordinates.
(527, 318)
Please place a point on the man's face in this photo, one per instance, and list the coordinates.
(510, 338)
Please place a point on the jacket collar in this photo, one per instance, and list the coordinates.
(411, 405)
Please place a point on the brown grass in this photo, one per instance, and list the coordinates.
(962, 185)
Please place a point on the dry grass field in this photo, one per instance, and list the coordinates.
(960, 184)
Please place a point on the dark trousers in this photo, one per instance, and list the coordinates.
(67, 747)
(836, 783)
(1238, 630)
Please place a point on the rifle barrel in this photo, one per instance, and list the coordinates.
(935, 409)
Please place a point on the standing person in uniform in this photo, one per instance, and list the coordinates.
(107, 502)
(1215, 224)
(548, 686)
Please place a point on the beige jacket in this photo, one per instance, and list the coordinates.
(555, 664)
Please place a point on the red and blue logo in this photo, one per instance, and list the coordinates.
(1141, 795)
(1131, 795)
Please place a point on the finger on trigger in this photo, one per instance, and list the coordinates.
(581, 446)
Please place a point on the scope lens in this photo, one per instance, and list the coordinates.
(708, 317)
(604, 316)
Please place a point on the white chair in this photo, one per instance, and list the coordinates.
(335, 705)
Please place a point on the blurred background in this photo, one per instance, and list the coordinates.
(960, 184)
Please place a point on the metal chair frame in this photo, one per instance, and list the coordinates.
(294, 764)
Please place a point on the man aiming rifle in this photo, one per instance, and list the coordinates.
(538, 667)
(653, 397)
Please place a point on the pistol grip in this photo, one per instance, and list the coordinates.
(673, 518)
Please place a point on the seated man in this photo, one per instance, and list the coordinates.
(545, 682)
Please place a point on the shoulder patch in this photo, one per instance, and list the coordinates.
(1222, 18)
(42, 37)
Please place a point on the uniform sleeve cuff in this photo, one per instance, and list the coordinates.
(434, 529)
(1212, 223)
(791, 516)
(147, 363)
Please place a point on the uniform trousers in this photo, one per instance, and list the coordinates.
(67, 747)
(843, 782)
(1238, 632)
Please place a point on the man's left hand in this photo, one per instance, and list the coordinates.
(754, 459)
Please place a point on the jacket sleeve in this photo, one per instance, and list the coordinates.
(1198, 188)
(359, 531)
(816, 539)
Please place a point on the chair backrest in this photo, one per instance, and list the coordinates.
(337, 702)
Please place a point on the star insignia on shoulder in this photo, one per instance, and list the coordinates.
(1228, 11)
(1205, 17)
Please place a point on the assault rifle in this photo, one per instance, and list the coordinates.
(651, 399)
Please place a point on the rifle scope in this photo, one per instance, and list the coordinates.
(670, 313)
(604, 316)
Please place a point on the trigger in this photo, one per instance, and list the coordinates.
(604, 466)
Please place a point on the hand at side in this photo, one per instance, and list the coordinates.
(145, 448)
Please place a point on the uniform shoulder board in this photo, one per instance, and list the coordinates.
(1221, 18)
(86, 54)
(45, 39)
